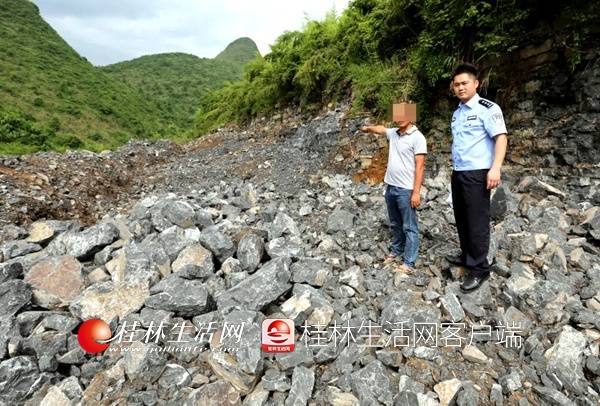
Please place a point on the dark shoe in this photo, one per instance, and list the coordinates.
(455, 260)
(472, 282)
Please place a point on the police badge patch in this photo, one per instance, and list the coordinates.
(497, 117)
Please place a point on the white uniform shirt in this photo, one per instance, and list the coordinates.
(475, 125)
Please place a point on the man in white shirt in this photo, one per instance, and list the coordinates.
(404, 177)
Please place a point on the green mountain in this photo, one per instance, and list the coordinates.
(177, 81)
(240, 51)
(52, 98)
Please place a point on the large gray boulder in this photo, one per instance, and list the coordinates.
(173, 379)
(10, 270)
(565, 359)
(220, 244)
(83, 245)
(303, 381)
(283, 225)
(19, 379)
(410, 308)
(372, 384)
(14, 295)
(250, 251)
(144, 362)
(242, 334)
(285, 247)
(311, 270)
(258, 290)
(174, 239)
(179, 213)
(194, 261)
(185, 297)
(19, 248)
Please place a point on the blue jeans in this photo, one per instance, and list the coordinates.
(403, 219)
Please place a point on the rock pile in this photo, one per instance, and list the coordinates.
(75, 185)
(266, 223)
(186, 280)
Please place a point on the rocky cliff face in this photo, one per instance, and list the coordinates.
(555, 113)
(242, 226)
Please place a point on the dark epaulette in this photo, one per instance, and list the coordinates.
(486, 103)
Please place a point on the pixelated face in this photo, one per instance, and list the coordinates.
(465, 86)
(404, 113)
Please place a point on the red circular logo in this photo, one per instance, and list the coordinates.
(278, 329)
(90, 332)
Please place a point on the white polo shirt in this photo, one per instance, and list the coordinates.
(401, 158)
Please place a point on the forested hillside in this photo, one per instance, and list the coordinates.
(176, 81)
(52, 98)
(378, 51)
(374, 53)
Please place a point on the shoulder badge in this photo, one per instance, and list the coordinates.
(486, 103)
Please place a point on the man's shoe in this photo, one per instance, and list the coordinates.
(472, 282)
(455, 260)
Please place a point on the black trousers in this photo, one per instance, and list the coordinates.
(471, 203)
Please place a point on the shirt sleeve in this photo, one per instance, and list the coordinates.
(494, 122)
(389, 132)
(420, 144)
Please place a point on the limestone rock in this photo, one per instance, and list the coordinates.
(303, 380)
(565, 359)
(55, 281)
(185, 297)
(250, 251)
(220, 244)
(219, 393)
(107, 300)
(194, 261)
(84, 244)
(14, 295)
(447, 390)
(259, 289)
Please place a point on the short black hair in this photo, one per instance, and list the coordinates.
(465, 68)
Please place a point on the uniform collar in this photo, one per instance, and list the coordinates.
(471, 103)
(411, 130)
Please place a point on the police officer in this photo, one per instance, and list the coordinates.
(478, 149)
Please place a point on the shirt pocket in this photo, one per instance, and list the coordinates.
(474, 125)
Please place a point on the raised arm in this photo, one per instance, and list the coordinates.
(375, 129)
